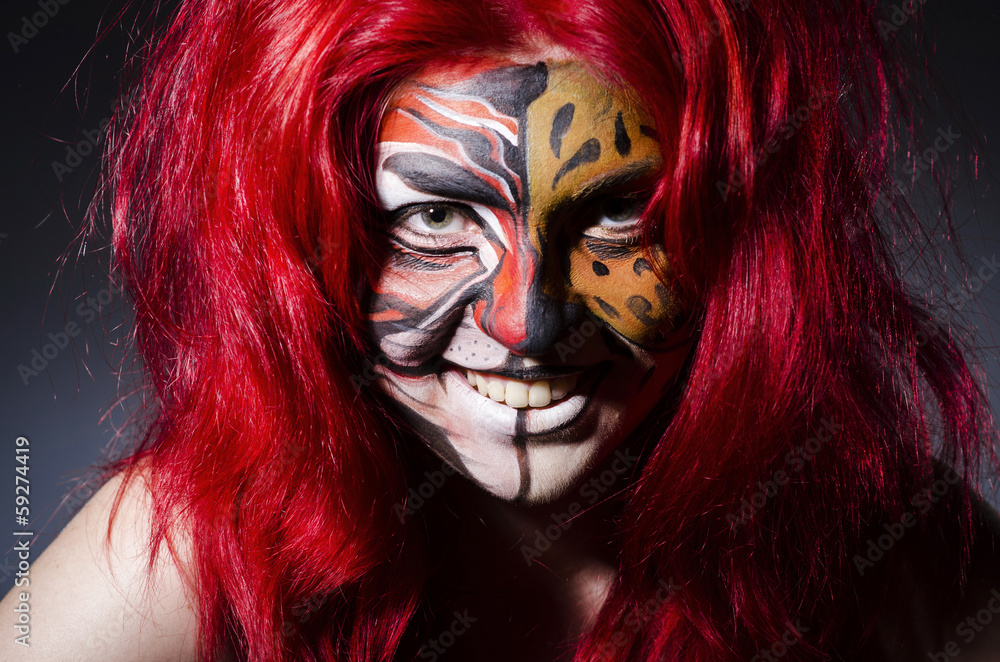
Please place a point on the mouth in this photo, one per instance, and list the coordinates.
(453, 397)
(521, 394)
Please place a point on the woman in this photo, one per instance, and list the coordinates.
(535, 331)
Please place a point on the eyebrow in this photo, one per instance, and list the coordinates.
(611, 181)
(435, 175)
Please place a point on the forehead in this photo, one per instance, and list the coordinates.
(511, 132)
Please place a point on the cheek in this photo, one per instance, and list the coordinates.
(421, 282)
(417, 299)
(618, 285)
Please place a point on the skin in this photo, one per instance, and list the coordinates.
(91, 598)
(135, 612)
(513, 192)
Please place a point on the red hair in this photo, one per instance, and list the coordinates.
(244, 216)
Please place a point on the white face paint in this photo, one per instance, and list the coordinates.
(524, 334)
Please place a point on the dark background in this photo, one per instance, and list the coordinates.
(60, 85)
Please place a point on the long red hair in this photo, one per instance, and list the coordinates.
(244, 217)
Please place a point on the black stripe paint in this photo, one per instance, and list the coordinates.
(623, 144)
(560, 127)
(589, 152)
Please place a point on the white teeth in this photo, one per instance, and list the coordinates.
(516, 395)
(519, 394)
(539, 394)
(482, 385)
(560, 387)
(497, 389)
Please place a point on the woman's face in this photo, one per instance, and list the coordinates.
(522, 330)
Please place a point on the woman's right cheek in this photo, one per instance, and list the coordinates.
(417, 302)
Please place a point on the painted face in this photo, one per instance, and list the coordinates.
(523, 332)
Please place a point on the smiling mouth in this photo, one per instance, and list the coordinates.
(521, 394)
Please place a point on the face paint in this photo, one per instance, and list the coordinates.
(524, 332)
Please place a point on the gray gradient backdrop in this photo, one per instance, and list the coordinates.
(51, 118)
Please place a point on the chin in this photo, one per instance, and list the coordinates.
(523, 454)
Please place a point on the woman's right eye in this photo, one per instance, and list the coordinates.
(435, 219)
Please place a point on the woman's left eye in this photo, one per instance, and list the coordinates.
(619, 211)
(615, 213)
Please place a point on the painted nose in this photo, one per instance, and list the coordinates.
(516, 311)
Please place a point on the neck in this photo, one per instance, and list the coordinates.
(562, 554)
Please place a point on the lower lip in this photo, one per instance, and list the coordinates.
(485, 412)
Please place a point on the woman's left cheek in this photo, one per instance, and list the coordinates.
(618, 285)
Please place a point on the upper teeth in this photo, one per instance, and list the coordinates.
(518, 394)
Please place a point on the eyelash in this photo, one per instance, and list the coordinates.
(633, 203)
(588, 217)
(454, 212)
(423, 238)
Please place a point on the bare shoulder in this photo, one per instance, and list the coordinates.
(91, 599)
